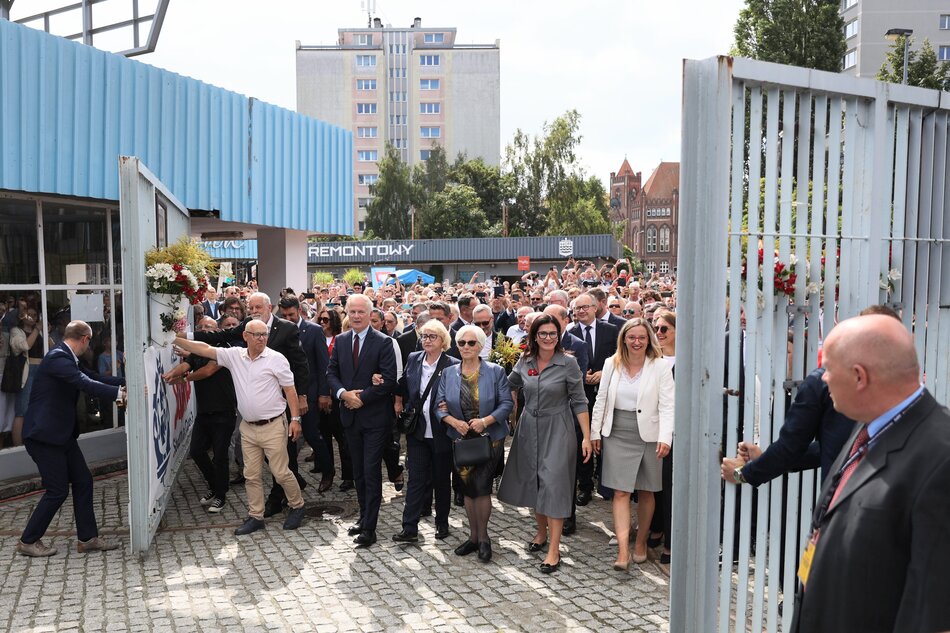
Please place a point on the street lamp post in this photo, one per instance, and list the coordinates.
(893, 34)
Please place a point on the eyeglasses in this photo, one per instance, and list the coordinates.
(663, 329)
(428, 337)
(585, 308)
(635, 339)
(257, 335)
(470, 343)
(323, 320)
(629, 311)
(547, 335)
(483, 323)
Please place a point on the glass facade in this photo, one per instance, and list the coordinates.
(72, 273)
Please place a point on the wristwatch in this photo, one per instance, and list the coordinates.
(738, 477)
(296, 418)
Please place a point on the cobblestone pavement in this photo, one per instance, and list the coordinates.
(200, 577)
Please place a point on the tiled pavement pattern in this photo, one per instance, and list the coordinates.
(200, 577)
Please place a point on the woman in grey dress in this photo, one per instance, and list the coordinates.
(633, 414)
(539, 472)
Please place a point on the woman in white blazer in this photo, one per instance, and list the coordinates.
(632, 423)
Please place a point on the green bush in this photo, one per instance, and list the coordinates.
(322, 278)
(354, 276)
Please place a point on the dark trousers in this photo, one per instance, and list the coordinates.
(213, 430)
(59, 467)
(367, 445)
(391, 456)
(332, 429)
(310, 421)
(663, 514)
(429, 471)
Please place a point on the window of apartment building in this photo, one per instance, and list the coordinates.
(944, 53)
(665, 239)
(434, 38)
(431, 132)
(366, 108)
(850, 29)
(944, 22)
(397, 119)
(664, 267)
(367, 155)
(367, 132)
(397, 96)
(363, 203)
(367, 179)
(430, 108)
(362, 225)
(397, 72)
(651, 239)
(847, 4)
(850, 60)
(366, 84)
(397, 49)
(365, 61)
(400, 143)
(429, 60)
(424, 154)
(364, 39)
(428, 84)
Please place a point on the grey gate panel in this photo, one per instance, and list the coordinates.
(841, 182)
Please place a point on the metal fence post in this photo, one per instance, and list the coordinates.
(704, 204)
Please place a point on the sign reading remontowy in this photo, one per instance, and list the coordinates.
(500, 249)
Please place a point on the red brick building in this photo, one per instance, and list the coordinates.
(651, 213)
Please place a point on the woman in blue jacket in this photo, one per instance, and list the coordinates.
(477, 400)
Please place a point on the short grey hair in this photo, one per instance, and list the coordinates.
(481, 307)
(262, 295)
(478, 332)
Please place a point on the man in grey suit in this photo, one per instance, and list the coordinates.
(879, 555)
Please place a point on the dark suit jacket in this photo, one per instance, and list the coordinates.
(504, 320)
(812, 416)
(376, 357)
(457, 324)
(51, 414)
(411, 388)
(882, 562)
(407, 341)
(207, 305)
(314, 344)
(284, 338)
(614, 320)
(605, 343)
(578, 349)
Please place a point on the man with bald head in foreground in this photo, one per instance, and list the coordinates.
(879, 555)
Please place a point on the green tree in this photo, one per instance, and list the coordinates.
(539, 165)
(808, 33)
(453, 212)
(923, 69)
(579, 207)
(430, 176)
(492, 185)
(387, 214)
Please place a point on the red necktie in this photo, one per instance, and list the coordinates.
(859, 442)
(356, 350)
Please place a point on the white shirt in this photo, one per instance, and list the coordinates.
(486, 348)
(628, 391)
(257, 383)
(593, 334)
(515, 333)
(427, 372)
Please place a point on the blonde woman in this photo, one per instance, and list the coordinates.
(632, 427)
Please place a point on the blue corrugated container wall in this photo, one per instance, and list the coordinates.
(68, 111)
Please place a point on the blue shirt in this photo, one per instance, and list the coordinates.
(879, 422)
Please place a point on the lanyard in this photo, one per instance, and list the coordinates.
(836, 479)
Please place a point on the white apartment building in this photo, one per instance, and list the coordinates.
(411, 86)
(866, 22)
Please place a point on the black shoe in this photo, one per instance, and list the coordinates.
(484, 551)
(294, 519)
(654, 541)
(398, 480)
(272, 507)
(238, 480)
(459, 499)
(354, 529)
(536, 547)
(326, 482)
(583, 498)
(570, 526)
(441, 532)
(547, 568)
(466, 548)
(365, 539)
(346, 484)
(406, 537)
(250, 525)
(665, 560)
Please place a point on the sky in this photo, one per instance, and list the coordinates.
(618, 62)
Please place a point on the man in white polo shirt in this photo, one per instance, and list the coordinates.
(260, 374)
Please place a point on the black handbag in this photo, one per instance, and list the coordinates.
(13, 373)
(472, 451)
(408, 420)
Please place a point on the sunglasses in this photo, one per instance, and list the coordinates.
(469, 343)
(663, 329)
(629, 312)
(483, 323)
(323, 320)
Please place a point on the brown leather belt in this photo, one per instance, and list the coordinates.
(263, 422)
